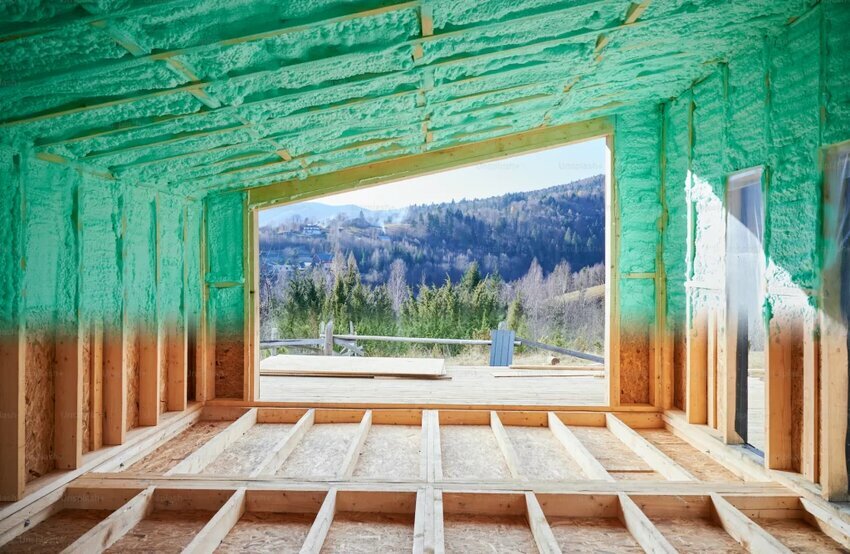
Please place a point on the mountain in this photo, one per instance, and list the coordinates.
(502, 233)
(316, 212)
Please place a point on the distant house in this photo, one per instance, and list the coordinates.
(323, 259)
(311, 230)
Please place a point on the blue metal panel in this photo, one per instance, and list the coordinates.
(502, 347)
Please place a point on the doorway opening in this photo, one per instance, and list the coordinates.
(745, 266)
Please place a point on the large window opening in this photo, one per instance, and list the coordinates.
(498, 269)
(745, 263)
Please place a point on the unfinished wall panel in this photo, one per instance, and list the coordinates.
(770, 106)
(226, 280)
(143, 357)
(50, 297)
(637, 174)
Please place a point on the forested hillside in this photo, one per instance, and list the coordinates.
(503, 234)
(533, 260)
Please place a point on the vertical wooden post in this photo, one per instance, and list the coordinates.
(833, 409)
(696, 375)
(12, 447)
(96, 388)
(150, 371)
(251, 269)
(778, 411)
(711, 368)
(68, 403)
(177, 348)
(727, 336)
(810, 448)
(612, 312)
(114, 386)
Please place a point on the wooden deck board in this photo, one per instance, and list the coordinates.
(472, 386)
(350, 366)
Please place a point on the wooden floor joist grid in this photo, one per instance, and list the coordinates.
(231, 479)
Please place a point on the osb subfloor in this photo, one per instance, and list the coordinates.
(55, 533)
(591, 535)
(267, 532)
(475, 386)
(697, 535)
(379, 480)
(480, 534)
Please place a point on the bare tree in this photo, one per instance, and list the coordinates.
(397, 284)
(532, 292)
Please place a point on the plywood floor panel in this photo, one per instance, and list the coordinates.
(248, 451)
(541, 456)
(163, 532)
(592, 535)
(696, 535)
(320, 453)
(471, 452)
(799, 536)
(475, 534)
(56, 532)
(391, 452)
(174, 451)
(267, 532)
(368, 533)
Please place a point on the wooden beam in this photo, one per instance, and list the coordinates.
(833, 340)
(96, 386)
(711, 369)
(696, 378)
(827, 521)
(727, 334)
(423, 164)
(810, 448)
(641, 527)
(657, 460)
(316, 537)
(744, 530)
(506, 447)
(200, 458)
(574, 447)
(12, 403)
(431, 452)
(281, 451)
(177, 345)
(116, 525)
(114, 386)
(208, 538)
(612, 306)
(349, 462)
(705, 440)
(779, 364)
(68, 410)
(150, 372)
(428, 521)
(540, 530)
(635, 11)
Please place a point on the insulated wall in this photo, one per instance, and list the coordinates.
(93, 311)
(225, 285)
(636, 215)
(777, 106)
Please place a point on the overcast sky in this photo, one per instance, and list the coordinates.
(519, 173)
